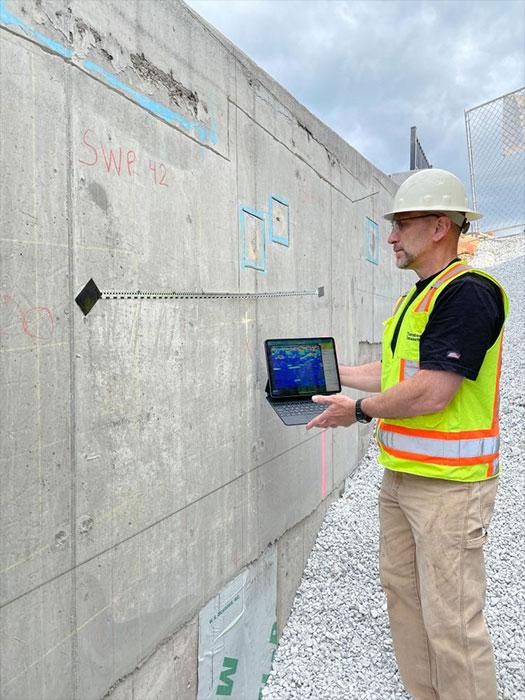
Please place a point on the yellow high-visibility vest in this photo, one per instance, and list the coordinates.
(460, 443)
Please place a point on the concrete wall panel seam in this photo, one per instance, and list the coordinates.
(72, 382)
(83, 562)
(304, 160)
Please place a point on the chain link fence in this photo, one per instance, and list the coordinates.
(496, 152)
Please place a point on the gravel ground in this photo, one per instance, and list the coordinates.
(336, 645)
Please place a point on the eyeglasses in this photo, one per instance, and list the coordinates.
(395, 223)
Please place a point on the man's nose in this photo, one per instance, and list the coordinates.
(393, 237)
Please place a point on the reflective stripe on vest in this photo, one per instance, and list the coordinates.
(408, 368)
(447, 276)
(398, 303)
(493, 468)
(479, 449)
(461, 442)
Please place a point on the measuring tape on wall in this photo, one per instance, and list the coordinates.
(90, 294)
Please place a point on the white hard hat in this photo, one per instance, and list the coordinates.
(433, 190)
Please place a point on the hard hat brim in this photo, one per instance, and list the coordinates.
(470, 214)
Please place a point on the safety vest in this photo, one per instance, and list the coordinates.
(460, 443)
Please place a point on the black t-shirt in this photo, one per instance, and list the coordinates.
(466, 320)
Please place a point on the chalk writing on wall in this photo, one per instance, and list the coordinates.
(124, 162)
(37, 322)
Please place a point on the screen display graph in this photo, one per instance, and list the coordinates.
(300, 367)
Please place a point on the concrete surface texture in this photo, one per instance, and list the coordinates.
(142, 468)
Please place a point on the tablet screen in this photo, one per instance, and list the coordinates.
(302, 366)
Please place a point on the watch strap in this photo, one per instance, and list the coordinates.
(360, 416)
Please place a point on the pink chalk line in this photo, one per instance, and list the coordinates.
(323, 464)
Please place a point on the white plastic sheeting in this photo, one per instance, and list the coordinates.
(238, 634)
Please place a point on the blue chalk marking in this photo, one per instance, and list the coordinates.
(212, 136)
(161, 111)
(155, 107)
(273, 237)
(253, 212)
(7, 19)
(152, 106)
(279, 198)
(168, 115)
(53, 45)
(372, 231)
(202, 132)
(246, 262)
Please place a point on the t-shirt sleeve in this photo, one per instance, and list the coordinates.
(465, 322)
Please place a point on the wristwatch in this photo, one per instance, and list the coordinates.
(359, 415)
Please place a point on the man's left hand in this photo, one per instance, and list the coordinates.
(340, 411)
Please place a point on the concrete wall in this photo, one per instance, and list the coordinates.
(141, 466)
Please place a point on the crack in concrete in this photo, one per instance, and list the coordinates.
(178, 93)
(84, 28)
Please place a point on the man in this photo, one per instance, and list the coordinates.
(436, 398)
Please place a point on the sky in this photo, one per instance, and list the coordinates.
(372, 69)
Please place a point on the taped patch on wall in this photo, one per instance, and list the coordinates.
(253, 244)
(372, 241)
(279, 213)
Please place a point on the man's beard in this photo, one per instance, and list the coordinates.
(404, 261)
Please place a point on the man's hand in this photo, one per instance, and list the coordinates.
(340, 412)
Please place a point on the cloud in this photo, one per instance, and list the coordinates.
(371, 70)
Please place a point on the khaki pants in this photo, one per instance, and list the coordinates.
(433, 573)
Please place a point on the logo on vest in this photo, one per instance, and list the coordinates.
(413, 336)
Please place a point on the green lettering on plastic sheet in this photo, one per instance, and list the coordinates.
(264, 681)
(273, 635)
(230, 667)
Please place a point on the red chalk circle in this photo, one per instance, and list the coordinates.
(26, 315)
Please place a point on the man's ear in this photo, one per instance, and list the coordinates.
(443, 226)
